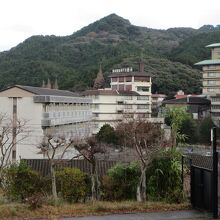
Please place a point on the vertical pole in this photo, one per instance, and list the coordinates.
(14, 129)
(215, 174)
(192, 184)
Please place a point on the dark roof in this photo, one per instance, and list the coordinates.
(130, 74)
(110, 92)
(45, 91)
(189, 100)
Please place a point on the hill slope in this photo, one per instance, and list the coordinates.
(74, 59)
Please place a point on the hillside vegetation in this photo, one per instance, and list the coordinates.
(115, 42)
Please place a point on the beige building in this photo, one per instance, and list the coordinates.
(211, 79)
(128, 97)
(46, 111)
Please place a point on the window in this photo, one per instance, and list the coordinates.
(211, 74)
(216, 99)
(128, 78)
(143, 89)
(216, 106)
(128, 106)
(210, 89)
(128, 87)
(128, 115)
(120, 103)
(128, 98)
(216, 114)
(141, 79)
(121, 79)
(211, 82)
(211, 67)
(114, 79)
(143, 107)
(144, 115)
(143, 97)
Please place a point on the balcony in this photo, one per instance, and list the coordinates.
(61, 118)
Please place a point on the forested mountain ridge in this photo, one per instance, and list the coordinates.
(113, 41)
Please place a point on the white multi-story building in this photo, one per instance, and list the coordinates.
(211, 80)
(46, 111)
(128, 97)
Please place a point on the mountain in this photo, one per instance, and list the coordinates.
(113, 41)
(192, 49)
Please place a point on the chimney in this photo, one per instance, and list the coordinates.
(141, 66)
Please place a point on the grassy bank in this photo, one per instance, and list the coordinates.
(19, 211)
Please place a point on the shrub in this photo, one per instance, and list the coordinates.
(121, 182)
(20, 181)
(35, 201)
(107, 135)
(164, 177)
(72, 184)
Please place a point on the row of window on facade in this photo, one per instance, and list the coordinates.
(215, 99)
(129, 79)
(216, 106)
(123, 87)
(66, 114)
(68, 106)
(142, 97)
(212, 74)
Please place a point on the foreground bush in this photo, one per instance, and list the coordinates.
(21, 182)
(121, 182)
(164, 177)
(72, 184)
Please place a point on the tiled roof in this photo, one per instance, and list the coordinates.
(213, 45)
(130, 74)
(45, 91)
(110, 92)
(188, 100)
(208, 62)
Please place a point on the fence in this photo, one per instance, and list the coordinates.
(42, 165)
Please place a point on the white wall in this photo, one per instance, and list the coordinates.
(29, 112)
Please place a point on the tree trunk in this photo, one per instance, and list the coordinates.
(141, 187)
(93, 179)
(53, 181)
(93, 189)
(98, 187)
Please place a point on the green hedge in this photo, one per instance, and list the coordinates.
(121, 182)
(21, 182)
(164, 177)
(72, 184)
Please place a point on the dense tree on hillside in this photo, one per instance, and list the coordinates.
(193, 50)
(74, 59)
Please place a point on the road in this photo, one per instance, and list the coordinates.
(173, 215)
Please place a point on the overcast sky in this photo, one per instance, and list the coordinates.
(20, 19)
